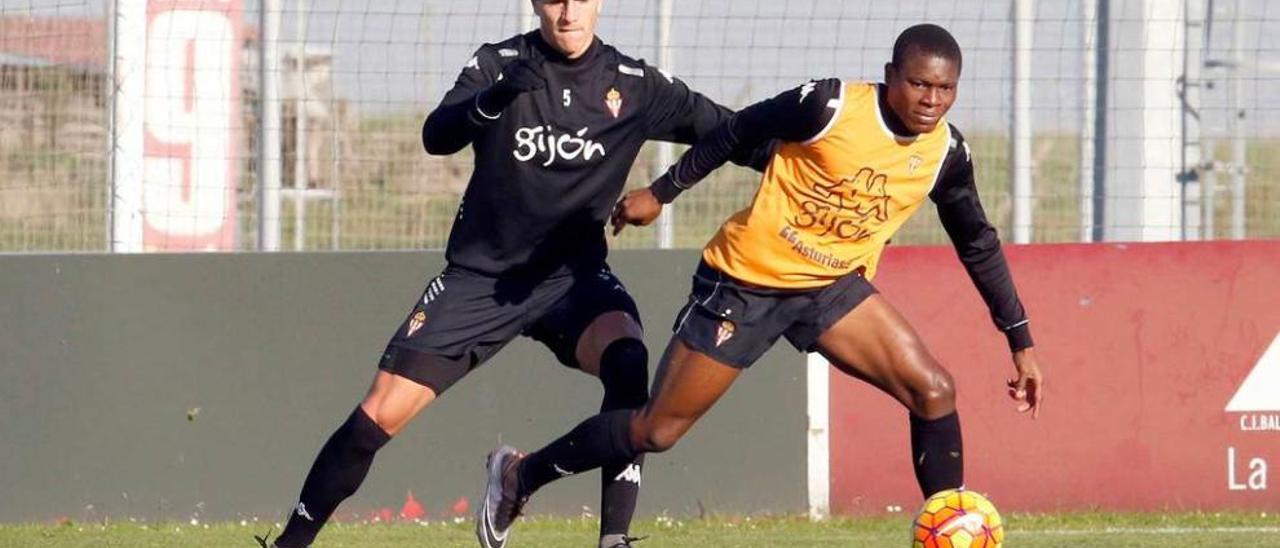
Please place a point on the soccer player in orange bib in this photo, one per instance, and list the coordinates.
(854, 161)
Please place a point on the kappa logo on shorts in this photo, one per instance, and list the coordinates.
(725, 332)
(416, 322)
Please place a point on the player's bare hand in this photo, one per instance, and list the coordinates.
(1028, 388)
(638, 207)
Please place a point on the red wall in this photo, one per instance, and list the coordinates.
(1142, 346)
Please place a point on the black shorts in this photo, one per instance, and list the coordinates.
(463, 318)
(736, 323)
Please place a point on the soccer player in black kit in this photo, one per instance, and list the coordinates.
(556, 118)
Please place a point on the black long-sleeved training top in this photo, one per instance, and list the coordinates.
(549, 168)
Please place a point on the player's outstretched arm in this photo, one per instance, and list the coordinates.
(978, 247)
(678, 114)
(796, 115)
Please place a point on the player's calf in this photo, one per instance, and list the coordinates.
(597, 441)
(937, 453)
(624, 372)
(337, 473)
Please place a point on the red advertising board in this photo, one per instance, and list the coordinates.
(193, 124)
(1162, 366)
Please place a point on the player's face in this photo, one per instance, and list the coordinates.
(568, 25)
(922, 90)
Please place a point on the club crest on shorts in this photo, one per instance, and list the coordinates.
(416, 322)
(914, 163)
(613, 100)
(724, 332)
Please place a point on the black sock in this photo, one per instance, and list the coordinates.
(937, 453)
(594, 442)
(338, 471)
(624, 371)
(619, 490)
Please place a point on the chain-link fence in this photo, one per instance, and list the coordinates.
(1167, 134)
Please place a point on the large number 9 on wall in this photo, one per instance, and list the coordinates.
(192, 125)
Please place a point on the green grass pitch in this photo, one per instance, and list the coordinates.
(1040, 530)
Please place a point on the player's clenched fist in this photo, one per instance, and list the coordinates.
(639, 207)
(519, 76)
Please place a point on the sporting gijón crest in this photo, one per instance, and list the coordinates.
(613, 100)
(416, 322)
(724, 332)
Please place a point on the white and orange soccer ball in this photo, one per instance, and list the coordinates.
(957, 518)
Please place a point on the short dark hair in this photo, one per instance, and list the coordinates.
(927, 39)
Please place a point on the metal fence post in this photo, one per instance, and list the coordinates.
(128, 45)
(666, 151)
(269, 128)
(1020, 136)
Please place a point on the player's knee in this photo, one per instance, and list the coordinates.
(660, 435)
(624, 372)
(390, 424)
(391, 416)
(935, 396)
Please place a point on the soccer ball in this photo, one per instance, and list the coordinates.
(957, 518)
